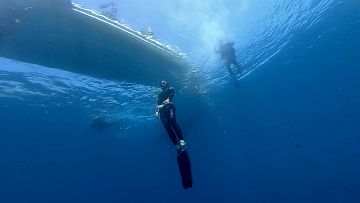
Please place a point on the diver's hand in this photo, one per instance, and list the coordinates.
(158, 107)
(167, 101)
(157, 114)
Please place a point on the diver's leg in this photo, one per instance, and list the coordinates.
(170, 132)
(177, 129)
(238, 67)
(231, 72)
(181, 147)
(228, 66)
(173, 124)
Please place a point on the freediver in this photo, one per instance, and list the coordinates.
(228, 54)
(166, 111)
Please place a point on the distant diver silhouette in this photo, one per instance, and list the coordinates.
(228, 54)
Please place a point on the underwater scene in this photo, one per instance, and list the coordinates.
(179, 101)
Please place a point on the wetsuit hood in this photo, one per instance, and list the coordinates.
(164, 84)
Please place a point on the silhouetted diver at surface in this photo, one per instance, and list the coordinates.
(228, 54)
(167, 112)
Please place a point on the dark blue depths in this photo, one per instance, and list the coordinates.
(288, 133)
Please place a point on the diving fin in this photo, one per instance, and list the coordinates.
(185, 169)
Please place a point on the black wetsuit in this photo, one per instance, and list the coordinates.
(168, 115)
(168, 118)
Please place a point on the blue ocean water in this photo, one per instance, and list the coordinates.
(289, 132)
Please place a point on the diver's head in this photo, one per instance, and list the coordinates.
(164, 84)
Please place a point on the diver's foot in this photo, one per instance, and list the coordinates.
(181, 146)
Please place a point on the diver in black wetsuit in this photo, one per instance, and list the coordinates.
(167, 112)
(228, 54)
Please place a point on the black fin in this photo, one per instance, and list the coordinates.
(185, 169)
